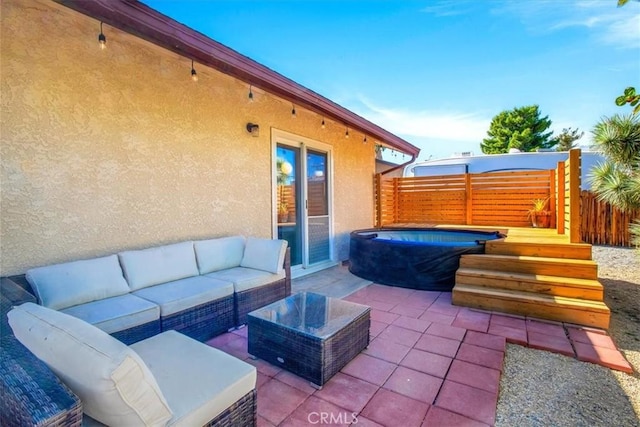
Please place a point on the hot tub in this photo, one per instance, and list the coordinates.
(417, 258)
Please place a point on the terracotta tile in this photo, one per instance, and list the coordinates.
(446, 331)
(438, 417)
(295, 381)
(405, 310)
(317, 411)
(265, 368)
(593, 338)
(438, 345)
(379, 305)
(236, 347)
(481, 356)
(414, 384)
(376, 327)
(479, 325)
(222, 340)
(551, 343)
(474, 375)
(511, 321)
(400, 335)
(386, 296)
(261, 379)
(369, 368)
(417, 325)
(421, 300)
(365, 422)
(357, 298)
(585, 328)
(494, 342)
(393, 409)
(602, 356)
(468, 401)
(243, 331)
(437, 318)
(553, 329)
(444, 308)
(276, 400)
(264, 423)
(429, 363)
(444, 297)
(386, 349)
(348, 392)
(513, 335)
(383, 316)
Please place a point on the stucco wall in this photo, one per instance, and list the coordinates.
(104, 150)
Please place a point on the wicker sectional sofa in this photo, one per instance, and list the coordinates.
(198, 288)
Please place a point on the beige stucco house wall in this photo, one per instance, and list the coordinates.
(105, 150)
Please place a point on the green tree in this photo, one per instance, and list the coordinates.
(566, 140)
(617, 180)
(520, 128)
(629, 97)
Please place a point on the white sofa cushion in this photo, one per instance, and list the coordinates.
(264, 254)
(64, 285)
(246, 278)
(148, 267)
(114, 384)
(117, 313)
(218, 254)
(199, 381)
(180, 295)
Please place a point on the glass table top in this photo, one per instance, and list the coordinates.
(311, 313)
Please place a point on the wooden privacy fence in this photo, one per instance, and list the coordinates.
(603, 224)
(497, 198)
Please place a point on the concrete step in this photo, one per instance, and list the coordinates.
(535, 283)
(561, 309)
(575, 268)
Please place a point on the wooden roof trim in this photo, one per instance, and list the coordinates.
(138, 19)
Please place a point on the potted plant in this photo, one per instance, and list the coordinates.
(539, 214)
(283, 171)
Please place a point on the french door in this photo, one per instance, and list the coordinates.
(303, 201)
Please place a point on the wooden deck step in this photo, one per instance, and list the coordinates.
(536, 283)
(562, 309)
(540, 249)
(576, 268)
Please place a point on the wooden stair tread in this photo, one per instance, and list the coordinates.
(526, 297)
(532, 259)
(537, 248)
(529, 277)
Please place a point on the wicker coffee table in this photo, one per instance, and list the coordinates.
(310, 335)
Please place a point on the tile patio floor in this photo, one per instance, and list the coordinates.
(429, 363)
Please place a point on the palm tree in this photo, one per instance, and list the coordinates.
(617, 180)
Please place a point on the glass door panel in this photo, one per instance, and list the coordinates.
(289, 200)
(318, 227)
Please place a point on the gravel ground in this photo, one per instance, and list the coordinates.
(540, 388)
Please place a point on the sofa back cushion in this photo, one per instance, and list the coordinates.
(219, 254)
(264, 254)
(60, 286)
(148, 267)
(114, 384)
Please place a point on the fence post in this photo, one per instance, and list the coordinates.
(552, 196)
(468, 198)
(560, 177)
(378, 195)
(574, 196)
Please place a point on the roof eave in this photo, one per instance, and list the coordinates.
(138, 19)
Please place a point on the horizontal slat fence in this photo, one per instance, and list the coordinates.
(497, 198)
(603, 224)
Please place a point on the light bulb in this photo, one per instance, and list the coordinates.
(102, 39)
(194, 74)
(322, 125)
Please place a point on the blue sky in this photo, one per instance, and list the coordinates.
(435, 72)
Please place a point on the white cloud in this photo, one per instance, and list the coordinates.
(448, 8)
(608, 24)
(436, 125)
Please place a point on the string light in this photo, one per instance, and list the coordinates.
(250, 94)
(346, 134)
(365, 139)
(293, 111)
(102, 39)
(194, 75)
(322, 124)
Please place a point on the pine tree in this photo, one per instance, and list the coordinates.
(520, 128)
(565, 141)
